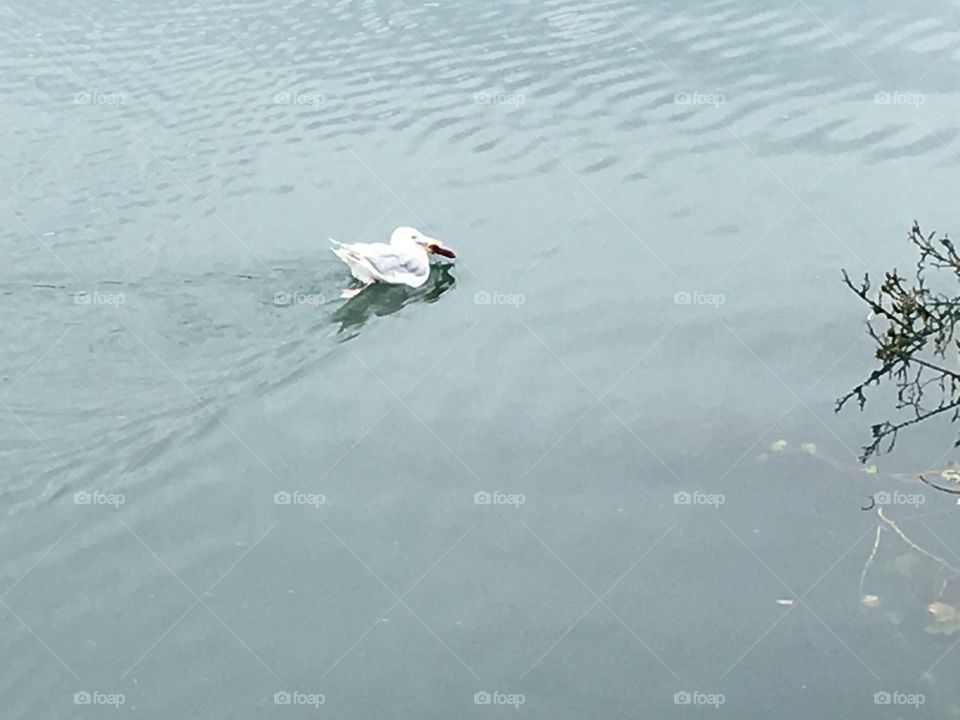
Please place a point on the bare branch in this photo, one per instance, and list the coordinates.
(912, 328)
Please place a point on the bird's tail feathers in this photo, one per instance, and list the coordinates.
(339, 249)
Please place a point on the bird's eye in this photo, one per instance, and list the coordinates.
(413, 237)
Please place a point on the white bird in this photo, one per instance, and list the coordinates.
(405, 260)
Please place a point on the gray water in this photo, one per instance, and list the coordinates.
(175, 356)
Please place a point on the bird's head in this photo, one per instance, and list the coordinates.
(430, 244)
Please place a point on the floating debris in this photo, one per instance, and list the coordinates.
(779, 446)
(809, 448)
(786, 602)
(871, 469)
(870, 600)
(946, 619)
(951, 475)
(941, 609)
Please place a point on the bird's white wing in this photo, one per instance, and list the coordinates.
(399, 267)
(384, 263)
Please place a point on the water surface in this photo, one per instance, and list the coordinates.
(651, 205)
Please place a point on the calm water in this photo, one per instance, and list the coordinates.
(176, 363)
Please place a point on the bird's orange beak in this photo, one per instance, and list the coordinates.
(435, 247)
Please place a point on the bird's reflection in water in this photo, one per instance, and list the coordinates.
(379, 300)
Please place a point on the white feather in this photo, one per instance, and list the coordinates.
(402, 262)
